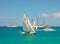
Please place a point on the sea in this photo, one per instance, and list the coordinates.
(11, 35)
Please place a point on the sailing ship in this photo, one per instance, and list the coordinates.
(11, 26)
(27, 27)
(12, 23)
(36, 24)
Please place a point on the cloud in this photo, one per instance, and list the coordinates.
(7, 17)
(44, 15)
(56, 15)
(2, 17)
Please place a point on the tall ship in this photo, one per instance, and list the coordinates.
(12, 23)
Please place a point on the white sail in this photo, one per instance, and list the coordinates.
(35, 24)
(26, 24)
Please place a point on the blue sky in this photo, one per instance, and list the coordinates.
(13, 11)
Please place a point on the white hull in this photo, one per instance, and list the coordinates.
(36, 27)
(11, 26)
(48, 29)
(27, 32)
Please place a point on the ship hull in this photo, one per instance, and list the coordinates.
(28, 33)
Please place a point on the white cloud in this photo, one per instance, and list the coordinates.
(7, 17)
(2, 17)
(44, 15)
(56, 15)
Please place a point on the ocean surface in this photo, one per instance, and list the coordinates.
(11, 36)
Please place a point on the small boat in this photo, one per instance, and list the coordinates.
(49, 29)
(27, 27)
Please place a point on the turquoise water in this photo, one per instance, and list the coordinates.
(11, 36)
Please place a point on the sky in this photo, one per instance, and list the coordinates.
(12, 11)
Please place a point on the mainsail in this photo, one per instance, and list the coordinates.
(27, 27)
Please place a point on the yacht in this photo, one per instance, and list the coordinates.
(27, 27)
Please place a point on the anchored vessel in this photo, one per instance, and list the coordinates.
(48, 29)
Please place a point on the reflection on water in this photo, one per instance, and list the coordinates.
(28, 39)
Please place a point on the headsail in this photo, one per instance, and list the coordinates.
(26, 24)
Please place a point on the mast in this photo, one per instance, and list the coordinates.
(43, 20)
